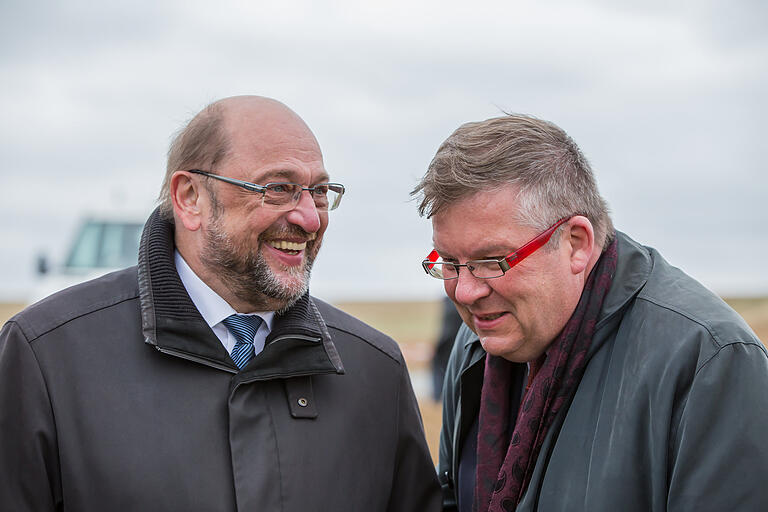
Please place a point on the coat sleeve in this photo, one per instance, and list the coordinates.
(28, 455)
(719, 452)
(414, 486)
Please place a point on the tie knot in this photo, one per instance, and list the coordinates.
(243, 327)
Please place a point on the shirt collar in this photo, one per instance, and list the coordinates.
(212, 307)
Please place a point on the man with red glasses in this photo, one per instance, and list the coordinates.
(590, 374)
(207, 378)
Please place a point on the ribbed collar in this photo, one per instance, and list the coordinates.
(299, 343)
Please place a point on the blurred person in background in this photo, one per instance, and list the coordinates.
(590, 375)
(207, 378)
(450, 321)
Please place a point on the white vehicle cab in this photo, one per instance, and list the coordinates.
(102, 244)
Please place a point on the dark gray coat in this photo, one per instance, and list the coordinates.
(116, 395)
(671, 414)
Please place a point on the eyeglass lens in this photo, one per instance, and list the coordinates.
(479, 269)
(287, 195)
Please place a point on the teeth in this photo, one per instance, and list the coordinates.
(489, 317)
(287, 246)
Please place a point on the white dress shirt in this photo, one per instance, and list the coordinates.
(214, 309)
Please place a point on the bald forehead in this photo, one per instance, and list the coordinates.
(262, 117)
(257, 109)
(256, 122)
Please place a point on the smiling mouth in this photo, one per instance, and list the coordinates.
(487, 318)
(290, 247)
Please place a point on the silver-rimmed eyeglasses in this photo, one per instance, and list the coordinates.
(487, 269)
(285, 196)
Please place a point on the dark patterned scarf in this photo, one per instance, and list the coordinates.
(501, 480)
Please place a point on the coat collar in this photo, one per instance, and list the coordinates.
(633, 268)
(299, 343)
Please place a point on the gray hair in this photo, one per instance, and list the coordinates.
(552, 177)
(200, 144)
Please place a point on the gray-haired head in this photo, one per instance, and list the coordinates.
(200, 144)
(552, 177)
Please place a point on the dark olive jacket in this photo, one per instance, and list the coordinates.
(671, 413)
(115, 395)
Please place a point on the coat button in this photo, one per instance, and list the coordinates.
(303, 402)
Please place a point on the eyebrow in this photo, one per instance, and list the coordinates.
(288, 175)
(498, 251)
(443, 255)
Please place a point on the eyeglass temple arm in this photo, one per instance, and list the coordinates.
(532, 246)
(252, 187)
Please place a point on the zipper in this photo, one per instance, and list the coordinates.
(213, 364)
(282, 375)
(197, 359)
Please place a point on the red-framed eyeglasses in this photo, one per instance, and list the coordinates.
(488, 269)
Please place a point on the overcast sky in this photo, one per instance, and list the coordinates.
(668, 103)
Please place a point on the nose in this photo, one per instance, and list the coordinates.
(305, 214)
(467, 289)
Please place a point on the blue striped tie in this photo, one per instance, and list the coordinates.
(243, 328)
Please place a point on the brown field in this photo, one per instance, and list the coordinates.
(8, 309)
(415, 325)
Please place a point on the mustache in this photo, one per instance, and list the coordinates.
(291, 231)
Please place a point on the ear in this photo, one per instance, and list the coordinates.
(581, 239)
(187, 200)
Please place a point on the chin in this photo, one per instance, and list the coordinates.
(294, 288)
(493, 344)
(500, 346)
(292, 279)
(289, 284)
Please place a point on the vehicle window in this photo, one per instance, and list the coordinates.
(120, 245)
(131, 239)
(105, 245)
(84, 253)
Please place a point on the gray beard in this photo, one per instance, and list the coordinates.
(248, 276)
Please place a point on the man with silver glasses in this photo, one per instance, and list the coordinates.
(207, 378)
(590, 374)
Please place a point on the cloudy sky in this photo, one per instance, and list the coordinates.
(668, 103)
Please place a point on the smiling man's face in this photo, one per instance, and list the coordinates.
(518, 315)
(264, 256)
